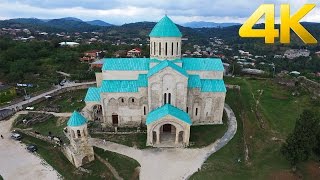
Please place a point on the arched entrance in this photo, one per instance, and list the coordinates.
(167, 134)
(97, 112)
(115, 119)
(85, 160)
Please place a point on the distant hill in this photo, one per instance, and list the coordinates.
(98, 23)
(72, 18)
(69, 24)
(27, 20)
(203, 24)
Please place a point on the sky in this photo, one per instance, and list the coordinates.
(127, 11)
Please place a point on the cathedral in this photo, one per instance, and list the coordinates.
(166, 92)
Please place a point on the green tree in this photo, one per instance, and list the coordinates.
(299, 144)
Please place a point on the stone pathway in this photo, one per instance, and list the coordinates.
(173, 163)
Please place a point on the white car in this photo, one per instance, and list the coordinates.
(29, 108)
(16, 136)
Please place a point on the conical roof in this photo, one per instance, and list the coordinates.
(76, 119)
(165, 28)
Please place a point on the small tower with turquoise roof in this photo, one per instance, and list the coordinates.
(165, 40)
(80, 151)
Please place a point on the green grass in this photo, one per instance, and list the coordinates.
(132, 140)
(66, 102)
(54, 125)
(278, 110)
(59, 162)
(201, 136)
(124, 165)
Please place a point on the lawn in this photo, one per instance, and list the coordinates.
(125, 166)
(59, 162)
(132, 140)
(261, 128)
(65, 102)
(55, 125)
(205, 135)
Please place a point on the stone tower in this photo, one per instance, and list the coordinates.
(79, 152)
(165, 40)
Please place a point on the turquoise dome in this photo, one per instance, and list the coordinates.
(165, 28)
(76, 119)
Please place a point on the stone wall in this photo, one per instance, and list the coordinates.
(166, 42)
(207, 74)
(131, 108)
(312, 86)
(205, 108)
(167, 82)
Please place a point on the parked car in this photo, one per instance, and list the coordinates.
(16, 136)
(32, 148)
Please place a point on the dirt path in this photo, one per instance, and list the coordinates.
(175, 163)
(16, 162)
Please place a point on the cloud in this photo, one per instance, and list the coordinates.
(126, 11)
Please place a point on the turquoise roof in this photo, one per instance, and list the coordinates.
(142, 80)
(126, 64)
(194, 81)
(165, 28)
(119, 86)
(76, 119)
(165, 64)
(93, 95)
(213, 85)
(202, 64)
(165, 110)
(142, 64)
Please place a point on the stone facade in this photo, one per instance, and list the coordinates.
(79, 152)
(128, 93)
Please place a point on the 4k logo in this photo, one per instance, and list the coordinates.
(287, 23)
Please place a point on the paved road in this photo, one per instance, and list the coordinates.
(174, 163)
(16, 162)
(57, 88)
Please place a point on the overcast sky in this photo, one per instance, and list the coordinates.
(127, 11)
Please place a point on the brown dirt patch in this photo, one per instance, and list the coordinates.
(313, 170)
(284, 175)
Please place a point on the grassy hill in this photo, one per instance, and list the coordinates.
(262, 128)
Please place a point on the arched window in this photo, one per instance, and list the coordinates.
(196, 111)
(159, 48)
(151, 48)
(172, 49)
(177, 48)
(144, 110)
(169, 98)
(166, 49)
(165, 98)
(187, 109)
(132, 100)
(154, 48)
(78, 133)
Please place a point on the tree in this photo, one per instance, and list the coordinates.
(299, 144)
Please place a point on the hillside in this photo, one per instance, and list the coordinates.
(203, 24)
